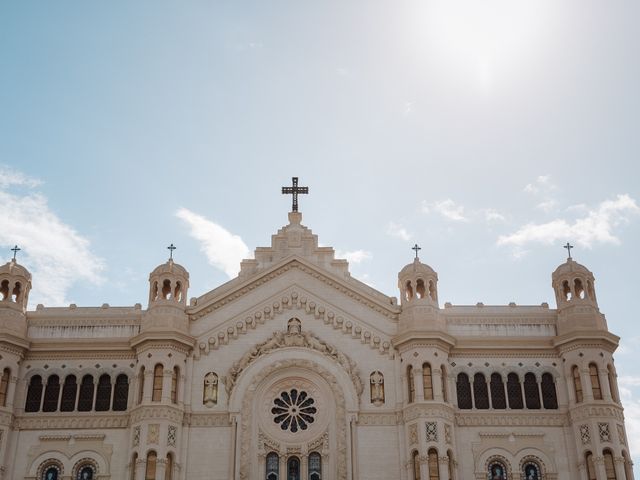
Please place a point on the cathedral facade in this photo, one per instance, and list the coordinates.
(295, 370)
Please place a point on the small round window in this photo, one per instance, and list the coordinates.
(294, 410)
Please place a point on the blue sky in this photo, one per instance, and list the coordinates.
(490, 135)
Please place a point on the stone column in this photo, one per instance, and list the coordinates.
(444, 467)
(424, 467)
(161, 467)
(11, 390)
(618, 463)
(167, 376)
(601, 473)
(436, 380)
(304, 466)
(418, 384)
(605, 388)
(140, 466)
(148, 385)
(582, 471)
(587, 391)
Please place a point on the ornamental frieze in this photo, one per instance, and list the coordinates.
(63, 422)
(505, 420)
(154, 412)
(294, 337)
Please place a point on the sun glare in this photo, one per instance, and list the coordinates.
(481, 39)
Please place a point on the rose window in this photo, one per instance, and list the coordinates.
(294, 410)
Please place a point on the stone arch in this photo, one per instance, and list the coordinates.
(44, 460)
(493, 455)
(547, 468)
(96, 458)
(341, 389)
(82, 464)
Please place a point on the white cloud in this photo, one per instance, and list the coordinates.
(491, 216)
(9, 177)
(223, 249)
(547, 205)
(541, 185)
(447, 208)
(398, 231)
(355, 256)
(56, 255)
(596, 227)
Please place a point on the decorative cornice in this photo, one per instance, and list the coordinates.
(291, 299)
(207, 419)
(504, 419)
(590, 412)
(166, 339)
(58, 421)
(380, 419)
(294, 262)
(428, 410)
(154, 412)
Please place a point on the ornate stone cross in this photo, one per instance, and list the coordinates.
(294, 190)
(568, 246)
(15, 250)
(416, 248)
(171, 248)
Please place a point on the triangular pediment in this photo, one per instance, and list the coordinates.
(235, 289)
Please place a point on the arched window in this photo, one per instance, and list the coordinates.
(175, 375)
(4, 289)
(566, 290)
(85, 472)
(531, 391)
(141, 385)
(293, 468)
(408, 294)
(156, 395)
(168, 471)
(578, 288)
(595, 381)
(609, 467)
(497, 470)
(480, 391)
(420, 288)
(51, 394)
(4, 386)
(272, 466)
(463, 390)
(498, 398)
(591, 467)
(577, 383)
(103, 393)
(434, 471)
(121, 393)
(444, 383)
(549, 397)
(531, 470)
(51, 472)
(69, 392)
(34, 394)
(612, 384)
(427, 382)
(132, 471)
(166, 289)
(514, 391)
(315, 466)
(85, 399)
(415, 461)
(411, 386)
(150, 469)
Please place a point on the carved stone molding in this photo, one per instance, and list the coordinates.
(511, 419)
(426, 410)
(294, 337)
(57, 421)
(379, 419)
(146, 412)
(293, 300)
(208, 420)
(589, 412)
(390, 311)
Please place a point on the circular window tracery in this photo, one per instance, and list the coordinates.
(294, 410)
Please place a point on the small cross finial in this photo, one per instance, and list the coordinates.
(568, 246)
(294, 190)
(416, 248)
(15, 250)
(171, 248)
